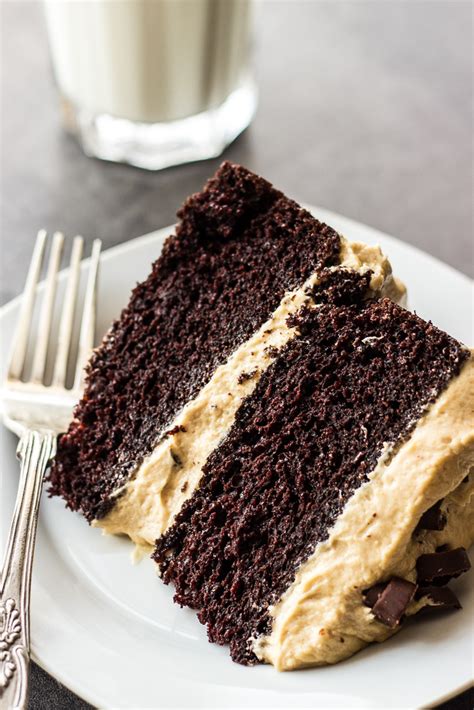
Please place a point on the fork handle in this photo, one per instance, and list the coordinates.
(35, 450)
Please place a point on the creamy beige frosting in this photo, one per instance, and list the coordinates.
(148, 502)
(321, 618)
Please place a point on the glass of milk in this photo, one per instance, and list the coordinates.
(153, 83)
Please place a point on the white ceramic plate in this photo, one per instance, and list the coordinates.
(109, 630)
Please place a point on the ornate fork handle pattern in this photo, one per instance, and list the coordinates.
(35, 450)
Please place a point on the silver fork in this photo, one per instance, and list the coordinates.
(37, 413)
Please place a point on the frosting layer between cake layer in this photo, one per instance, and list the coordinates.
(147, 504)
(321, 618)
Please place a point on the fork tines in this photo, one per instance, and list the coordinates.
(42, 341)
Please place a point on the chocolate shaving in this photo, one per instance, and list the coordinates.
(439, 567)
(175, 430)
(393, 601)
(244, 376)
(175, 457)
(432, 519)
(440, 598)
(371, 595)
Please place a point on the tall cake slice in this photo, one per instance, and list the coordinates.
(164, 386)
(294, 444)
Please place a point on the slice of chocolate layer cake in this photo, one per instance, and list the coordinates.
(340, 500)
(164, 387)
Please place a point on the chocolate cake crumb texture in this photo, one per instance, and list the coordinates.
(239, 246)
(314, 428)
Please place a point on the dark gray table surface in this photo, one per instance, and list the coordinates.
(365, 109)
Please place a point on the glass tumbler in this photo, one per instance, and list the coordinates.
(153, 83)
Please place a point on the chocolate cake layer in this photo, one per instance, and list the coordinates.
(356, 380)
(239, 247)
